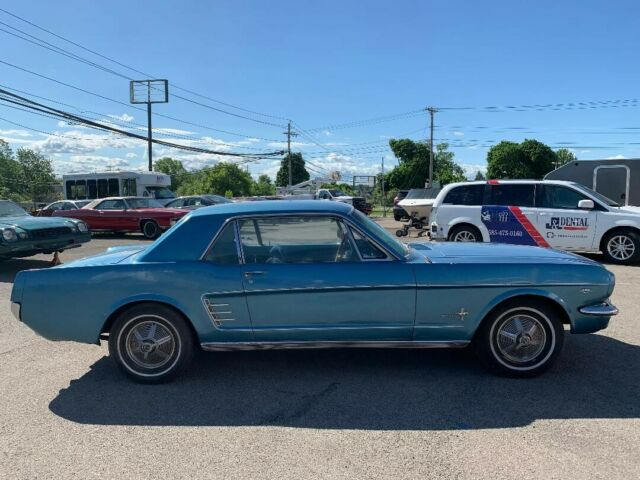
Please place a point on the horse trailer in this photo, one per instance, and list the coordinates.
(618, 179)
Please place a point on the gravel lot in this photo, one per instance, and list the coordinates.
(65, 412)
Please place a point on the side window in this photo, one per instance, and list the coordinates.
(67, 206)
(55, 206)
(91, 189)
(103, 191)
(368, 251)
(556, 196)
(70, 189)
(296, 239)
(114, 187)
(111, 205)
(465, 195)
(515, 194)
(224, 251)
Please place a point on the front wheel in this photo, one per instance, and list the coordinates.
(622, 247)
(151, 343)
(520, 340)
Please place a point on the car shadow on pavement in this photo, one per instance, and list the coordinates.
(596, 377)
(10, 268)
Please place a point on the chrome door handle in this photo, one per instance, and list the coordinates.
(254, 273)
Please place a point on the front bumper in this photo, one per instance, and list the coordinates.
(28, 247)
(603, 309)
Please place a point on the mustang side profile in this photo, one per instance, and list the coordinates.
(309, 274)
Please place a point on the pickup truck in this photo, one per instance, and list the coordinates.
(359, 203)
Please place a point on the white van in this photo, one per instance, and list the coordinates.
(547, 213)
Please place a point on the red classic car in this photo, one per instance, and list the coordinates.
(125, 214)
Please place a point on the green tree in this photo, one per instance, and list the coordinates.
(264, 186)
(219, 179)
(171, 167)
(529, 159)
(9, 173)
(479, 176)
(298, 171)
(413, 168)
(29, 175)
(564, 156)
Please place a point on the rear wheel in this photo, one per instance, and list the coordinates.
(150, 229)
(622, 247)
(465, 233)
(151, 343)
(520, 340)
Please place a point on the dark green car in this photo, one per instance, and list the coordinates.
(23, 235)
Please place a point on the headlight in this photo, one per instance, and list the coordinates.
(82, 227)
(9, 235)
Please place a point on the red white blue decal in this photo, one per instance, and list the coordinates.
(510, 225)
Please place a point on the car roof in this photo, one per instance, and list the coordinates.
(501, 182)
(275, 207)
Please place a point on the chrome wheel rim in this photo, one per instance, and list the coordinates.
(464, 236)
(621, 247)
(150, 344)
(521, 338)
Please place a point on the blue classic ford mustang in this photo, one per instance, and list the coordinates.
(311, 274)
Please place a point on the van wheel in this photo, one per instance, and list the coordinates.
(150, 230)
(151, 343)
(520, 340)
(621, 247)
(465, 233)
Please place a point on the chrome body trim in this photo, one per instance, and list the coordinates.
(15, 310)
(232, 346)
(603, 309)
(216, 315)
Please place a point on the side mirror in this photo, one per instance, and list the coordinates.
(586, 204)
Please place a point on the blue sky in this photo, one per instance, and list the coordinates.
(328, 64)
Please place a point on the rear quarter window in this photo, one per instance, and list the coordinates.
(465, 195)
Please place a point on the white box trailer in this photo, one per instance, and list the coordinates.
(89, 186)
(618, 179)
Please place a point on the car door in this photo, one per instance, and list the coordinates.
(509, 214)
(305, 279)
(561, 222)
(110, 215)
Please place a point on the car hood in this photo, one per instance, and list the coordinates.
(629, 209)
(111, 256)
(27, 222)
(454, 252)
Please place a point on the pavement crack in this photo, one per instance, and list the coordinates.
(307, 402)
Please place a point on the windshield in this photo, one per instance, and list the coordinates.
(337, 193)
(217, 199)
(384, 237)
(161, 192)
(10, 209)
(422, 193)
(598, 196)
(135, 203)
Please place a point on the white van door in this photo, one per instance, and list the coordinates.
(561, 222)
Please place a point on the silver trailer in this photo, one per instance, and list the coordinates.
(617, 179)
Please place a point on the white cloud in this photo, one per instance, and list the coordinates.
(131, 155)
(458, 134)
(283, 145)
(15, 132)
(327, 133)
(617, 157)
(173, 131)
(471, 169)
(124, 117)
(92, 163)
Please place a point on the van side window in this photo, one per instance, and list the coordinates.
(465, 195)
(556, 196)
(514, 194)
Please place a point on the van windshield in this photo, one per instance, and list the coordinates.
(598, 196)
(161, 192)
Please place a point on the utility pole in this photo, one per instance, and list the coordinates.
(384, 199)
(289, 134)
(432, 111)
(149, 138)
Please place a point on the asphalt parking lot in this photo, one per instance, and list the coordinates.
(65, 412)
